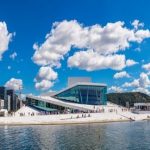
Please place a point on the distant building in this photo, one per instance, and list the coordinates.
(14, 100)
(74, 80)
(75, 97)
(11, 100)
(48, 93)
(3, 93)
(18, 102)
(141, 108)
(1, 104)
(8, 103)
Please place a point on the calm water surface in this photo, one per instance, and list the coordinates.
(112, 136)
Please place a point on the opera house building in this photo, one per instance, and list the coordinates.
(80, 95)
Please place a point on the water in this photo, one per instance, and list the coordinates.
(111, 136)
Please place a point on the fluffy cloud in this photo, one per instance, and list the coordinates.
(142, 90)
(43, 85)
(131, 62)
(45, 77)
(114, 37)
(142, 82)
(59, 41)
(136, 24)
(98, 44)
(67, 34)
(46, 73)
(146, 67)
(134, 83)
(141, 34)
(13, 55)
(121, 75)
(15, 84)
(5, 38)
(90, 60)
(115, 89)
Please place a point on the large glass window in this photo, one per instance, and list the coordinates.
(83, 94)
(44, 105)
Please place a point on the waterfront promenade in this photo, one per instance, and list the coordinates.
(77, 118)
(62, 119)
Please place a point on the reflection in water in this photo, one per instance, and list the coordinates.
(115, 136)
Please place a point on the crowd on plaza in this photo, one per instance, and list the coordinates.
(68, 111)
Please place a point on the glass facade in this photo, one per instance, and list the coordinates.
(43, 105)
(85, 94)
(82, 94)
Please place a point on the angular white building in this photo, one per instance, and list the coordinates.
(82, 96)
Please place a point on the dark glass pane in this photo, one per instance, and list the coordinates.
(85, 94)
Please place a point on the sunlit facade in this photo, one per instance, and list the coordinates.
(43, 105)
(74, 97)
(84, 94)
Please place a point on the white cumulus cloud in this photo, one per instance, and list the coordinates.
(5, 38)
(142, 82)
(131, 62)
(90, 60)
(15, 84)
(115, 89)
(146, 67)
(46, 73)
(142, 90)
(43, 85)
(98, 44)
(45, 78)
(136, 24)
(59, 41)
(67, 34)
(13, 55)
(122, 74)
(134, 83)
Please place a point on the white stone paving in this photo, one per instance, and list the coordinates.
(107, 116)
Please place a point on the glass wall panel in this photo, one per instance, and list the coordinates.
(83, 94)
(44, 105)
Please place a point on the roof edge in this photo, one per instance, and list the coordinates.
(79, 83)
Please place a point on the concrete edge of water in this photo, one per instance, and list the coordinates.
(63, 123)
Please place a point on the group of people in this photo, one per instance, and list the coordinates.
(68, 111)
(84, 115)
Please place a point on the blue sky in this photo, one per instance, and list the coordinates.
(30, 21)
